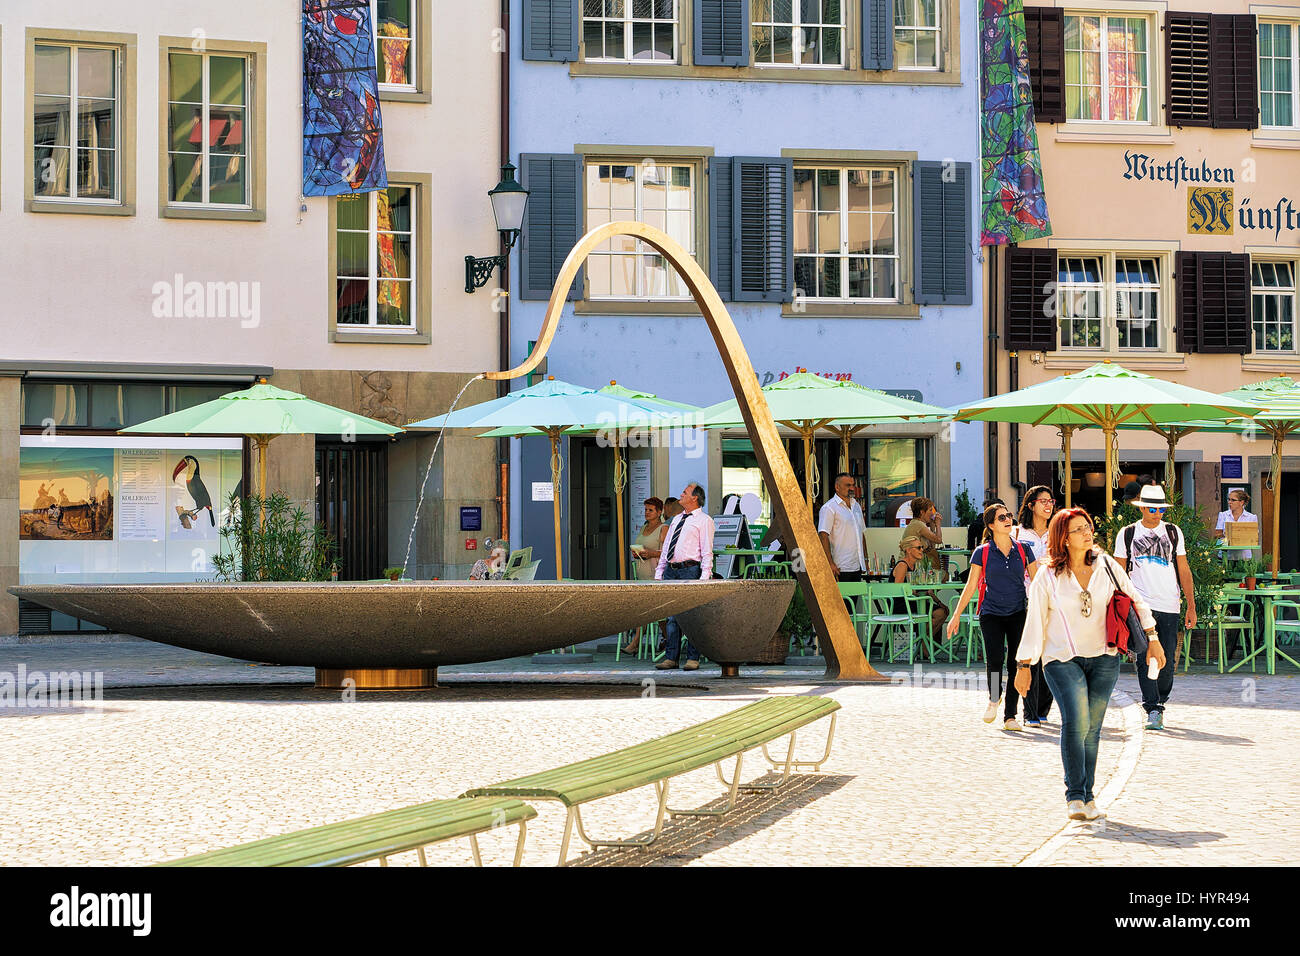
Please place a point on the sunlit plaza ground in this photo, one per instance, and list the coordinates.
(190, 753)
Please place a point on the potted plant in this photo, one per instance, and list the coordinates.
(394, 574)
(1250, 570)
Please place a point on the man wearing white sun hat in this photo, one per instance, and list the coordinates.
(1155, 557)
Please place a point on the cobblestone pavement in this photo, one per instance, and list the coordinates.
(230, 753)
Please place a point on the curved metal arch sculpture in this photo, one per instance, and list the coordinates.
(839, 640)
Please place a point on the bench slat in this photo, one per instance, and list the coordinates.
(664, 757)
(370, 837)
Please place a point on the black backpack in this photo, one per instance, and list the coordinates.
(1131, 530)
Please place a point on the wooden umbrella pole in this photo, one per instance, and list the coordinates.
(1068, 479)
(620, 479)
(554, 434)
(808, 466)
(1108, 430)
(261, 441)
(1275, 480)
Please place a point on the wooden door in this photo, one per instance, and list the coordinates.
(1207, 492)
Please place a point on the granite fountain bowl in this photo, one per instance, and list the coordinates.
(419, 624)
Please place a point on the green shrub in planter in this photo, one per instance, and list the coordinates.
(287, 546)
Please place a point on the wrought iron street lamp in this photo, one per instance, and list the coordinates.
(508, 202)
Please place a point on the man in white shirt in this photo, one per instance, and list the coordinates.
(687, 555)
(841, 527)
(1155, 557)
(1236, 512)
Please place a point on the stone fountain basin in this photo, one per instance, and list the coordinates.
(420, 624)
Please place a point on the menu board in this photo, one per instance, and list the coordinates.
(141, 495)
(728, 530)
(638, 490)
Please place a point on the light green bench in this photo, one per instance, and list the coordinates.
(657, 761)
(378, 836)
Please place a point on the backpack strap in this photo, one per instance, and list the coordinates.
(1129, 532)
(1172, 531)
(984, 576)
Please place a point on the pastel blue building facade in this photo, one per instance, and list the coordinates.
(820, 160)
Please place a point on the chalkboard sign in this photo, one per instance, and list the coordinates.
(729, 530)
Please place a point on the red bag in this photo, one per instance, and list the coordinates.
(1122, 623)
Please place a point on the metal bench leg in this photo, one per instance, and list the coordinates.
(519, 848)
(662, 787)
(568, 831)
(733, 783)
(473, 846)
(423, 861)
(789, 762)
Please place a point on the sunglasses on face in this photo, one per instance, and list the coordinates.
(1003, 517)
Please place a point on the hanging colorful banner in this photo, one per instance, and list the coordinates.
(1013, 204)
(342, 132)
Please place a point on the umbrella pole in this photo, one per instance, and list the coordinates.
(620, 479)
(808, 467)
(1108, 430)
(554, 434)
(1067, 480)
(261, 441)
(1171, 475)
(1275, 481)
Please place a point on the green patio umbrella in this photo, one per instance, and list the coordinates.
(660, 413)
(1105, 396)
(1280, 420)
(262, 412)
(805, 403)
(551, 408)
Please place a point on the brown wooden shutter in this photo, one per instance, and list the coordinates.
(1045, 40)
(1234, 71)
(1187, 59)
(1029, 314)
(1212, 292)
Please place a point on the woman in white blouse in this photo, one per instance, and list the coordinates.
(1065, 627)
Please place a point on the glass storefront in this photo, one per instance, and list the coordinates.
(896, 473)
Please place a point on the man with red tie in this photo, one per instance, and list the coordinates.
(687, 555)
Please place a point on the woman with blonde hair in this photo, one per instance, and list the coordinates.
(912, 551)
(1065, 628)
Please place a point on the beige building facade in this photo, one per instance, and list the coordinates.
(159, 252)
(1170, 143)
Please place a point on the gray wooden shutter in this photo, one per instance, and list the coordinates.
(763, 255)
(878, 34)
(721, 233)
(1212, 291)
(1187, 69)
(721, 33)
(1045, 44)
(551, 30)
(941, 233)
(1029, 309)
(553, 221)
(1234, 71)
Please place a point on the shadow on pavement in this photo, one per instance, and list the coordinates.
(1125, 833)
(459, 691)
(689, 838)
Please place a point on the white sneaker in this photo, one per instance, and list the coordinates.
(1075, 810)
(1012, 725)
(1090, 811)
(991, 711)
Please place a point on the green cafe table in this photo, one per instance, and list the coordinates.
(1268, 596)
(949, 553)
(745, 557)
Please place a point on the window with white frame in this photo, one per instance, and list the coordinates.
(207, 145)
(1137, 303)
(1111, 302)
(375, 243)
(659, 194)
(1279, 74)
(393, 22)
(1273, 305)
(1108, 68)
(916, 34)
(75, 122)
(797, 32)
(1080, 295)
(846, 233)
(630, 30)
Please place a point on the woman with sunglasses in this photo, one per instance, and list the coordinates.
(1031, 530)
(912, 551)
(1065, 627)
(998, 571)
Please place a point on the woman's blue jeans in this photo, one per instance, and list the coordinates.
(1082, 687)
